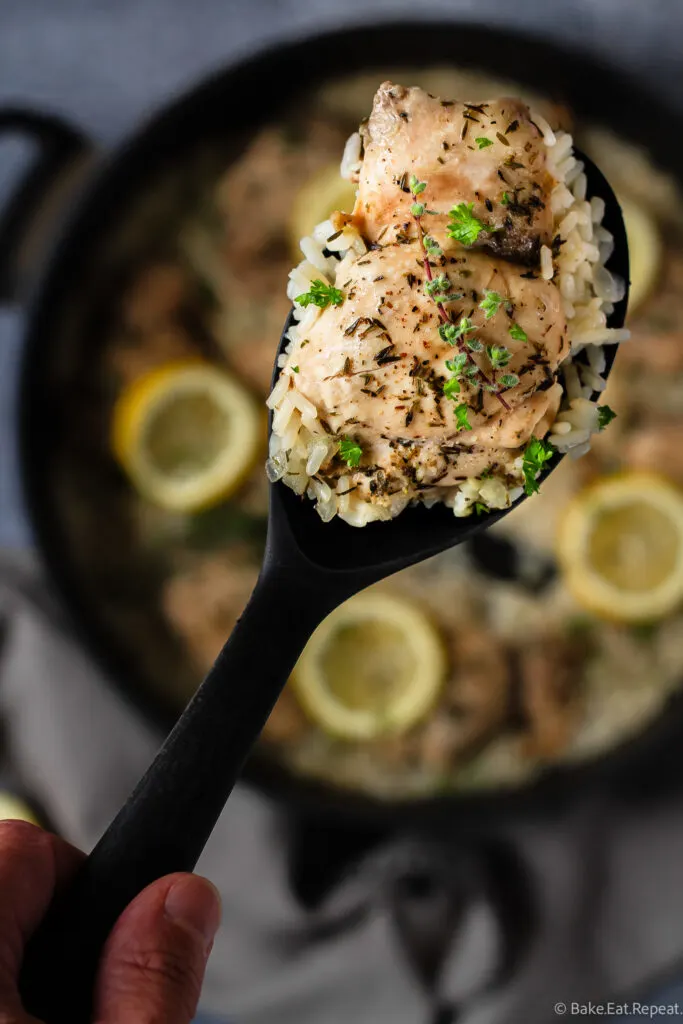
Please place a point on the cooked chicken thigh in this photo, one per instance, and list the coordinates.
(489, 154)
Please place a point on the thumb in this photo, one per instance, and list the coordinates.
(153, 965)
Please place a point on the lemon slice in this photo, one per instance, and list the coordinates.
(318, 197)
(645, 251)
(13, 809)
(621, 547)
(374, 667)
(186, 434)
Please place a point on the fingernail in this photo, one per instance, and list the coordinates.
(196, 904)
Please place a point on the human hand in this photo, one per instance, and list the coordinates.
(152, 966)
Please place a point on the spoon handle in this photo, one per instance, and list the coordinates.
(164, 825)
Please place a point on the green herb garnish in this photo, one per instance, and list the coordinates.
(605, 416)
(463, 226)
(432, 246)
(417, 209)
(461, 419)
(350, 452)
(295, 369)
(436, 285)
(320, 294)
(499, 356)
(480, 508)
(457, 367)
(505, 201)
(491, 303)
(482, 142)
(457, 364)
(416, 187)
(509, 380)
(439, 289)
(536, 454)
(518, 333)
(452, 333)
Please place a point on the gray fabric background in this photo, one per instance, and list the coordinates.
(106, 63)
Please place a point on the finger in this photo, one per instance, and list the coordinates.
(153, 965)
(33, 864)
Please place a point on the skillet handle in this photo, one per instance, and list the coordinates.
(60, 146)
(165, 823)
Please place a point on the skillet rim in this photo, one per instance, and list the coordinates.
(580, 75)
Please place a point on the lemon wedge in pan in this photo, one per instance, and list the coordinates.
(374, 667)
(317, 198)
(13, 809)
(621, 547)
(187, 435)
(645, 251)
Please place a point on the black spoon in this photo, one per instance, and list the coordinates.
(309, 568)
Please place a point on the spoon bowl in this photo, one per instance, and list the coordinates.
(309, 568)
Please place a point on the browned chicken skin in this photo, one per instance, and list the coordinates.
(489, 154)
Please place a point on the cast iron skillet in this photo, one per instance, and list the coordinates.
(60, 317)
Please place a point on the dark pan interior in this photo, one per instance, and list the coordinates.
(65, 319)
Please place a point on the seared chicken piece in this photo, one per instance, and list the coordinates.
(375, 368)
(156, 297)
(204, 603)
(489, 154)
(476, 704)
(550, 697)
(656, 447)
(434, 359)
(134, 355)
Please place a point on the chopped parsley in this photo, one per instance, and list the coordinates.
(605, 416)
(518, 333)
(416, 187)
(350, 451)
(480, 508)
(499, 356)
(509, 380)
(452, 333)
(482, 142)
(536, 454)
(463, 226)
(505, 201)
(461, 419)
(491, 303)
(320, 294)
(295, 369)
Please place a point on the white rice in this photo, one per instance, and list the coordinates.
(299, 445)
(351, 159)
